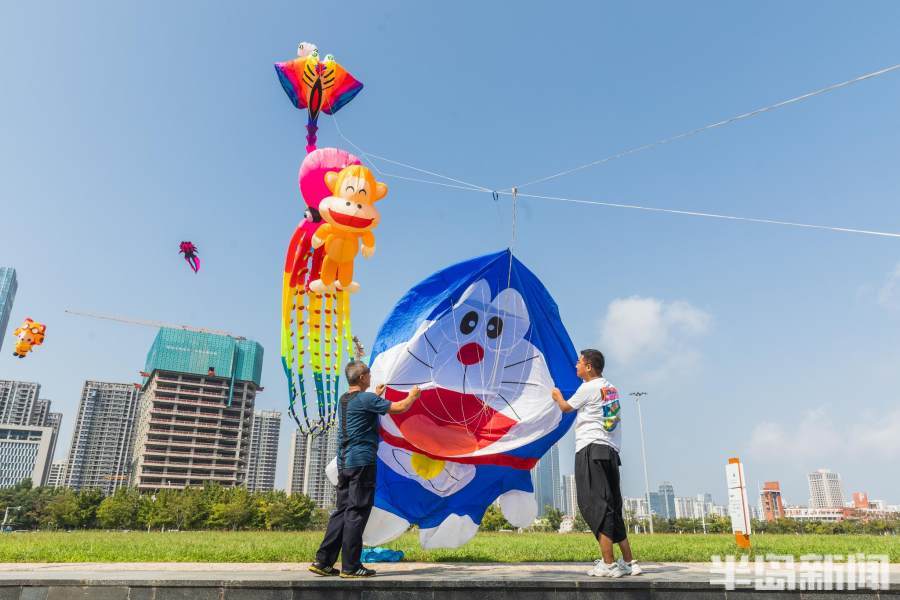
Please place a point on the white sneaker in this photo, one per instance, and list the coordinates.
(601, 569)
(632, 568)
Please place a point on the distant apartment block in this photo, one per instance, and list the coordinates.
(19, 402)
(196, 410)
(8, 287)
(570, 497)
(547, 482)
(662, 502)
(771, 502)
(103, 440)
(24, 454)
(860, 500)
(57, 476)
(263, 450)
(825, 490)
(306, 467)
(637, 507)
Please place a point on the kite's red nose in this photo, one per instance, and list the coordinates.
(470, 354)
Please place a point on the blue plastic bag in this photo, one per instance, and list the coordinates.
(378, 554)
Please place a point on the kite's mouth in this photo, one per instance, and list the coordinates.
(350, 220)
(447, 423)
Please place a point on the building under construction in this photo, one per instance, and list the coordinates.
(196, 410)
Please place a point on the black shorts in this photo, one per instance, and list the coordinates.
(599, 491)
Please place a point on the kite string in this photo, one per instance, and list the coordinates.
(694, 213)
(465, 185)
(721, 123)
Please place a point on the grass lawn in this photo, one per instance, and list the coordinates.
(263, 546)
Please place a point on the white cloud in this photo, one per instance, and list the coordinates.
(889, 293)
(825, 434)
(639, 330)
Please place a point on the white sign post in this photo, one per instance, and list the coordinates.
(738, 508)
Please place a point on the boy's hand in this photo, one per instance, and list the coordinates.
(379, 389)
(557, 395)
(415, 392)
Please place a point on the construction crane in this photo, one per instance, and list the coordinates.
(157, 324)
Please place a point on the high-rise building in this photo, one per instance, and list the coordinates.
(771, 502)
(263, 450)
(546, 481)
(196, 410)
(8, 287)
(825, 489)
(24, 454)
(40, 413)
(103, 440)
(57, 476)
(636, 506)
(688, 508)
(570, 496)
(19, 404)
(306, 467)
(662, 503)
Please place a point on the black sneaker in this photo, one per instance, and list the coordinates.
(324, 570)
(359, 573)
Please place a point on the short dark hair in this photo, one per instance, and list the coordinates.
(595, 359)
(355, 370)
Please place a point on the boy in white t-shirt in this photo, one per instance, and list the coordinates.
(598, 436)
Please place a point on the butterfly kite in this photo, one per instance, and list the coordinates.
(190, 255)
(316, 85)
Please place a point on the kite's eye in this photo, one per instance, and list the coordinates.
(359, 206)
(469, 322)
(349, 203)
(363, 191)
(494, 327)
(350, 189)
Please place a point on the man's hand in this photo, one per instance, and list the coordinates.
(561, 401)
(404, 405)
(379, 389)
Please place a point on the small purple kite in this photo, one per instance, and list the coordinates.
(190, 255)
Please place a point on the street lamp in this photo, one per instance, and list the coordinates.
(6, 516)
(637, 401)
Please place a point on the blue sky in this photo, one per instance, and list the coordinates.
(129, 127)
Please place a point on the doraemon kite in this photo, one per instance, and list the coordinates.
(484, 341)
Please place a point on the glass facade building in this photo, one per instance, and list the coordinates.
(8, 287)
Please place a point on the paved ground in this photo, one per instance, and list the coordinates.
(291, 572)
(291, 581)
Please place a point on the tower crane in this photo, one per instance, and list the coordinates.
(147, 323)
(160, 324)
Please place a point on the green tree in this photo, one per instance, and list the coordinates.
(119, 511)
(88, 502)
(493, 519)
(234, 511)
(282, 512)
(580, 524)
(554, 518)
(62, 511)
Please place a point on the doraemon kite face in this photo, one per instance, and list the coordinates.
(486, 387)
(484, 341)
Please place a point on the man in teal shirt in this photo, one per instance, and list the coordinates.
(358, 447)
